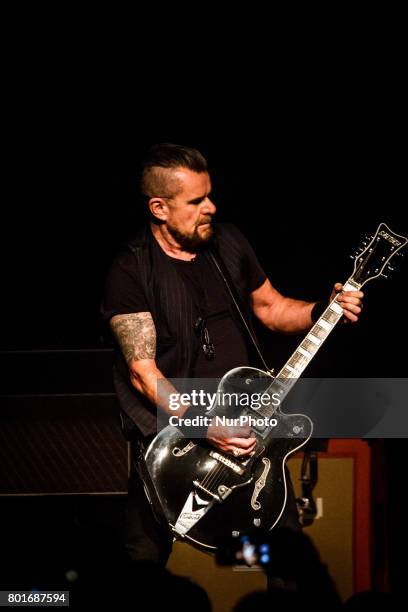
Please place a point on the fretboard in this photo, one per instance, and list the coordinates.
(307, 349)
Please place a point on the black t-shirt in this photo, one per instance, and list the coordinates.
(212, 305)
(124, 294)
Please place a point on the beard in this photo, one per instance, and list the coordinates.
(192, 241)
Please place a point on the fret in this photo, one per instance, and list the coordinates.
(364, 270)
(290, 371)
(292, 361)
(330, 316)
(336, 307)
(285, 383)
(304, 352)
(325, 324)
(286, 372)
(309, 345)
(296, 360)
(351, 286)
(282, 386)
(319, 332)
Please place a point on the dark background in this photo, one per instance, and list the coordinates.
(304, 128)
(303, 188)
(305, 158)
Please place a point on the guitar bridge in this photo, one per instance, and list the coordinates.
(222, 491)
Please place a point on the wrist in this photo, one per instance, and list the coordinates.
(318, 309)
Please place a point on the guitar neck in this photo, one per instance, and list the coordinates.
(307, 349)
(370, 261)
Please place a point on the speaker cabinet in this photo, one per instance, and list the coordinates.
(62, 444)
(342, 528)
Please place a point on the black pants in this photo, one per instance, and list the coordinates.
(147, 540)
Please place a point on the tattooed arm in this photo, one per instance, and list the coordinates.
(136, 336)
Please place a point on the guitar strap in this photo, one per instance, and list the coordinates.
(222, 271)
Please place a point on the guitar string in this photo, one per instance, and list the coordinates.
(210, 474)
(213, 474)
(214, 479)
(216, 472)
(218, 481)
(218, 477)
(265, 411)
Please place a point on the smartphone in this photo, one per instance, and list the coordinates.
(244, 549)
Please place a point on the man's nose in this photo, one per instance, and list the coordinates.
(209, 207)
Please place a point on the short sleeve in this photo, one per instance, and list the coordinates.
(123, 291)
(254, 273)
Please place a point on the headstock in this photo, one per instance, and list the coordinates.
(373, 257)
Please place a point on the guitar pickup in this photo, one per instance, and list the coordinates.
(228, 462)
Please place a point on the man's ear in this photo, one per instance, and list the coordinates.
(158, 208)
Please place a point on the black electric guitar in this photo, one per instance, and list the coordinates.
(206, 495)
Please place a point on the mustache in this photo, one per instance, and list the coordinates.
(207, 219)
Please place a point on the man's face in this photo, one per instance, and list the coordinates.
(190, 212)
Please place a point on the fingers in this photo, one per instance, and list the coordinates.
(338, 287)
(349, 317)
(347, 294)
(235, 440)
(350, 301)
(351, 310)
(350, 298)
(354, 297)
(352, 305)
(239, 447)
(228, 431)
(239, 451)
(243, 443)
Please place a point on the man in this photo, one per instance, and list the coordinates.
(179, 302)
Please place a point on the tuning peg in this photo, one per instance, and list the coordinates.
(390, 268)
(384, 276)
(400, 254)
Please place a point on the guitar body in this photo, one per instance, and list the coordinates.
(206, 495)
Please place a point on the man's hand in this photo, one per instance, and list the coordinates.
(235, 440)
(350, 301)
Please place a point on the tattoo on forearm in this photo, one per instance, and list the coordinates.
(136, 335)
